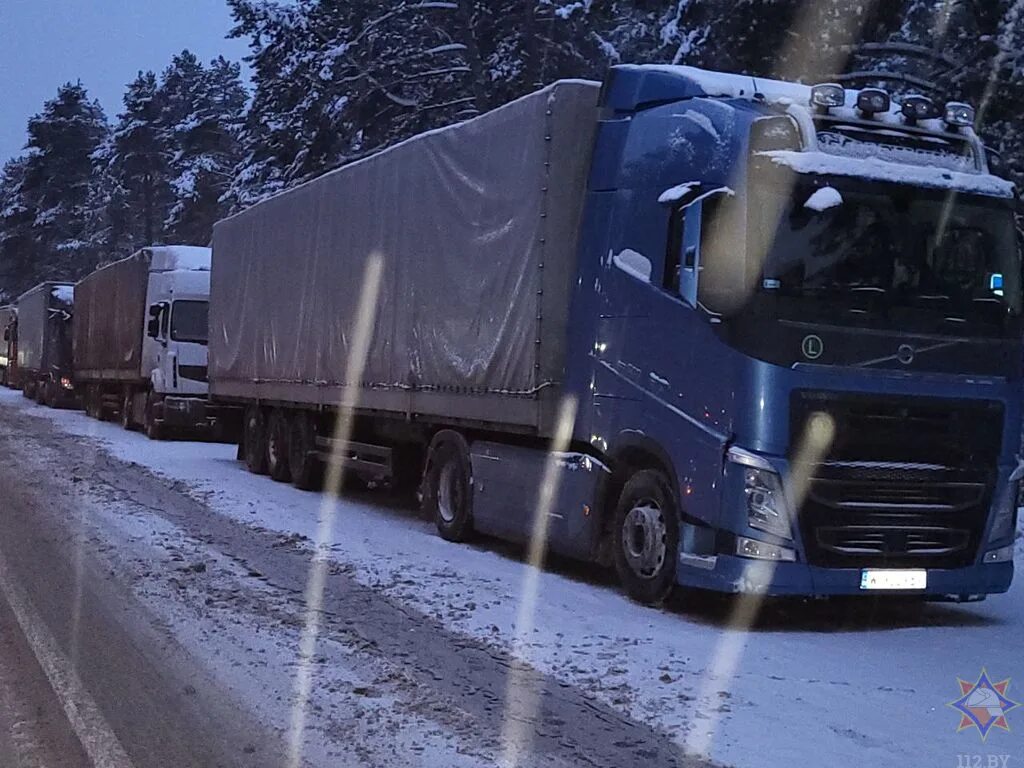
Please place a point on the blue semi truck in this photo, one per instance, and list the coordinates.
(788, 320)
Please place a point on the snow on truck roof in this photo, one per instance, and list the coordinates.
(795, 98)
(63, 291)
(168, 258)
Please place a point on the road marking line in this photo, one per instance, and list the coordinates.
(92, 730)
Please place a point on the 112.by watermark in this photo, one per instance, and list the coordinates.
(983, 706)
(982, 761)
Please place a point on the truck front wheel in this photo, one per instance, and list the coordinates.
(646, 537)
(255, 440)
(448, 489)
(277, 446)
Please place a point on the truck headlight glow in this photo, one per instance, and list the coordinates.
(66, 383)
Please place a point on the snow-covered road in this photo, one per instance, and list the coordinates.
(830, 683)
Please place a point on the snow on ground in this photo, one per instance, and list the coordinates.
(867, 685)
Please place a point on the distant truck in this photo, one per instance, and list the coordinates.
(790, 318)
(44, 370)
(8, 343)
(140, 340)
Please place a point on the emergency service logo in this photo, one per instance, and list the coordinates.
(983, 705)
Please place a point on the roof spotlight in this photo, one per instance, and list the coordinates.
(959, 115)
(871, 101)
(827, 95)
(917, 107)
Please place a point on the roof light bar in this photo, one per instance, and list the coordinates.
(959, 115)
(871, 101)
(915, 107)
(827, 95)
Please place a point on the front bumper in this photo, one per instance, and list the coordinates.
(739, 574)
(189, 413)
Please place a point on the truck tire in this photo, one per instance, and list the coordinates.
(277, 446)
(126, 410)
(448, 488)
(26, 389)
(90, 401)
(307, 469)
(645, 537)
(255, 428)
(40, 393)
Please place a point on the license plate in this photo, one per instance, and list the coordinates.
(902, 579)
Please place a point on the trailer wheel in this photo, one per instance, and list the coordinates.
(645, 537)
(277, 446)
(90, 401)
(448, 487)
(306, 467)
(255, 428)
(126, 410)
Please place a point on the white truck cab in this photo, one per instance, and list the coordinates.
(174, 350)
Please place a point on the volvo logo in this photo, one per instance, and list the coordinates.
(905, 354)
(812, 347)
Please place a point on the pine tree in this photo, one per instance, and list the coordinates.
(201, 117)
(18, 247)
(140, 161)
(56, 182)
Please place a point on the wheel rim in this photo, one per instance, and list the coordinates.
(449, 492)
(644, 538)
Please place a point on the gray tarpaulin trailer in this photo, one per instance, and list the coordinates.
(477, 228)
(8, 343)
(44, 342)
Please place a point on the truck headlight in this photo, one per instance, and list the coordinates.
(1005, 513)
(67, 383)
(762, 490)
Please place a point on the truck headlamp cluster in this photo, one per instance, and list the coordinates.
(766, 506)
(828, 95)
(917, 107)
(959, 115)
(871, 101)
(66, 383)
(762, 491)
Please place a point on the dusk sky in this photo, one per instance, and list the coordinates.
(103, 43)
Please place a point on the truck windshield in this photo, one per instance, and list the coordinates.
(888, 256)
(188, 321)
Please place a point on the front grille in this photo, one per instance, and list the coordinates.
(192, 372)
(907, 482)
